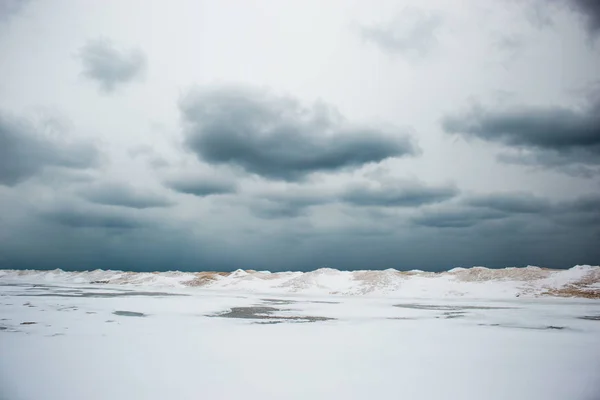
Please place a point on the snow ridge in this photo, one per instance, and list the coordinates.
(578, 281)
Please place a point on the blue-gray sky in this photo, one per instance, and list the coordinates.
(202, 135)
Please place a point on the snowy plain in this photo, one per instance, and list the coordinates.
(62, 337)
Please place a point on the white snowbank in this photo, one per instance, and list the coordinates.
(457, 282)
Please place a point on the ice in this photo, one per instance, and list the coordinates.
(72, 341)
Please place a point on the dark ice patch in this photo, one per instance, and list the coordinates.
(453, 314)
(278, 301)
(436, 307)
(537, 328)
(104, 294)
(267, 313)
(590, 317)
(129, 314)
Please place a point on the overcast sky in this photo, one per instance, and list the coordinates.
(283, 135)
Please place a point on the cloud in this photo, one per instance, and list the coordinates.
(295, 201)
(581, 212)
(85, 236)
(116, 194)
(590, 10)
(588, 203)
(396, 194)
(109, 66)
(456, 218)
(514, 203)
(141, 150)
(288, 203)
(274, 209)
(202, 186)
(412, 31)
(10, 8)
(518, 211)
(509, 45)
(76, 217)
(25, 150)
(278, 138)
(475, 209)
(540, 12)
(575, 162)
(551, 136)
(544, 128)
(148, 153)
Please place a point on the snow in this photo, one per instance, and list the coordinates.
(476, 282)
(484, 345)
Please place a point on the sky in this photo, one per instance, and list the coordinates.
(204, 135)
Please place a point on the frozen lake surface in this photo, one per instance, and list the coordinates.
(81, 341)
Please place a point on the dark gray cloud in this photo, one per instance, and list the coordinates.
(514, 203)
(80, 236)
(579, 213)
(116, 194)
(412, 31)
(553, 136)
(25, 151)
(456, 218)
(295, 202)
(588, 203)
(75, 217)
(476, 209)
(268, 209)
(286, 204)
(590, 10)
(517, 210)
(278, 138)
(551, 128)
(109, 66)
(541, 13)
(396, 195)
(202, 186)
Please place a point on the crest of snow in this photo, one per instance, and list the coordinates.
(471, 282)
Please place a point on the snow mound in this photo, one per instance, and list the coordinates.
(578, 281)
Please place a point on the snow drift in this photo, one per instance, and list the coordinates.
(578, 281)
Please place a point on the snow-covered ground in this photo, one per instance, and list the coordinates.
(64, 338)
